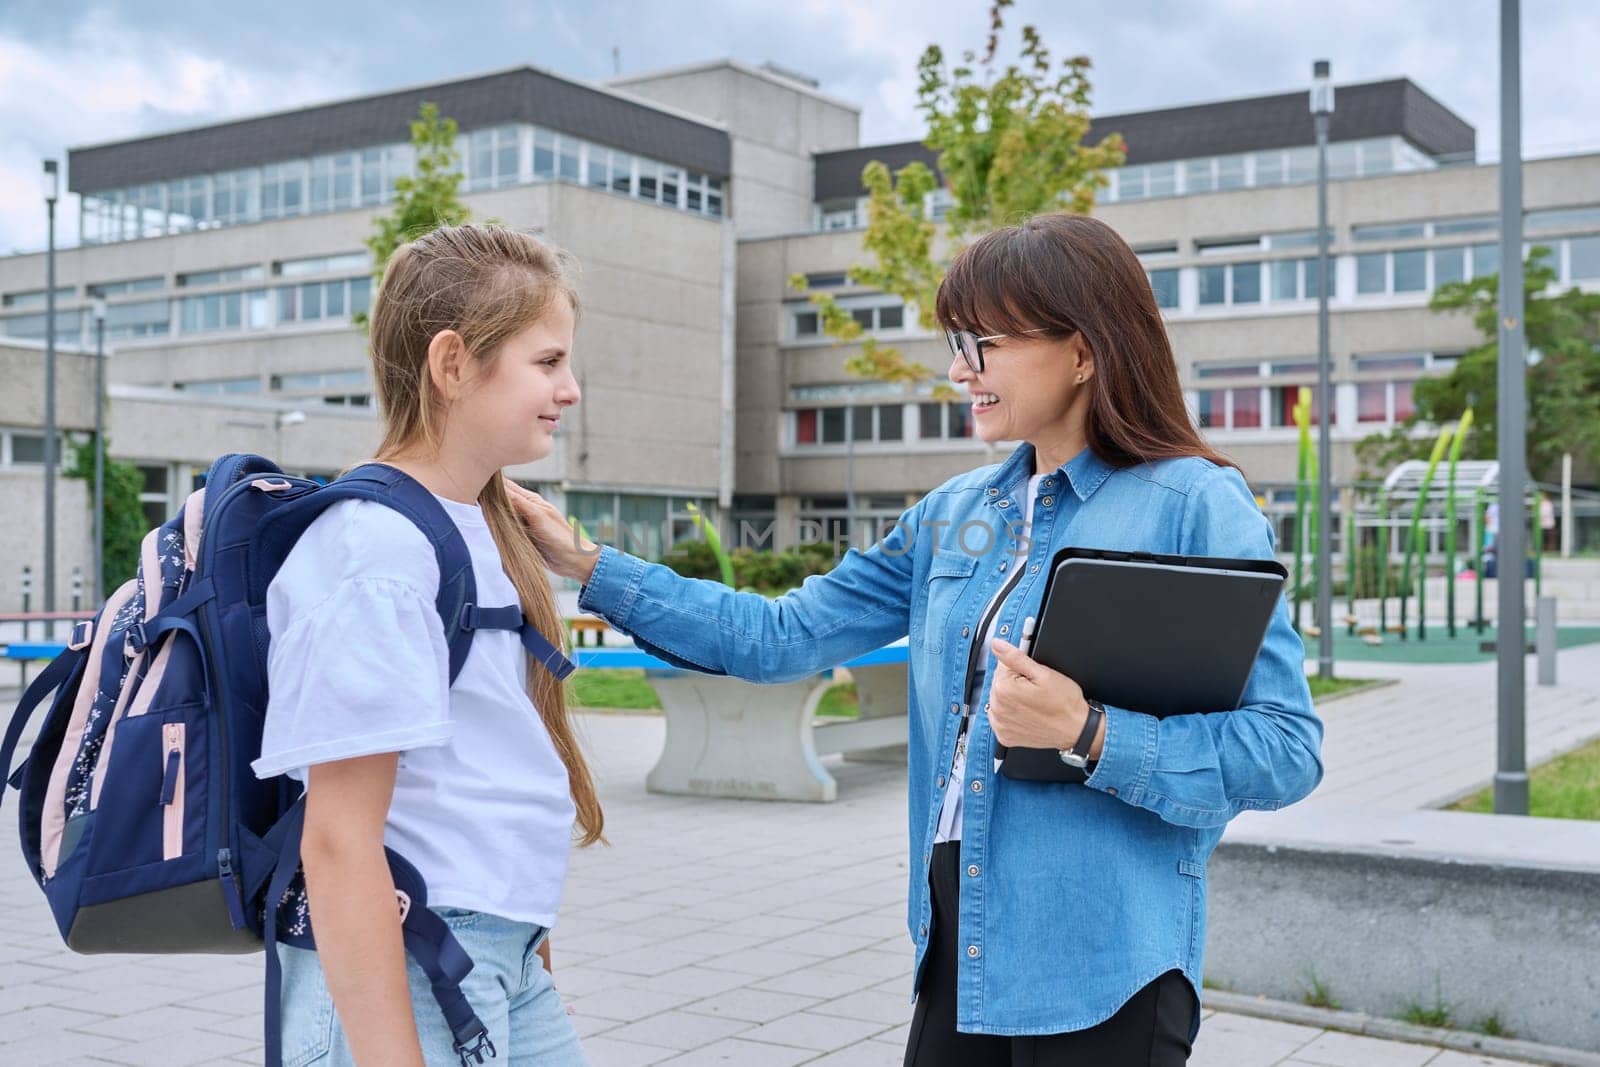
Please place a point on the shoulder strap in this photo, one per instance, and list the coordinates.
(397, 490)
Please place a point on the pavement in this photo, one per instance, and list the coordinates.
(767, 934)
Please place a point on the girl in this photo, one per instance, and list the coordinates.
(1054, 923)
(478, 783)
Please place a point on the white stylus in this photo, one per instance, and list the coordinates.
(1027, 635)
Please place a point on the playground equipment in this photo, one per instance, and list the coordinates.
(1415, 514)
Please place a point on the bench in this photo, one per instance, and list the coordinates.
(587, 625)
(731, 738)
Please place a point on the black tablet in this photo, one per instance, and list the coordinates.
(1158, 634)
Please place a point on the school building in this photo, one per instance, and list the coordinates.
(230, 259)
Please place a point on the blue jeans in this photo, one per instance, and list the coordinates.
(508, 987)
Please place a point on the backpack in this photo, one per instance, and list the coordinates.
(140, 816)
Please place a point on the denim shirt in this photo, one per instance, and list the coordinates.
(1073, 897)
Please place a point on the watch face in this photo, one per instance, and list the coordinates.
(1072, 759)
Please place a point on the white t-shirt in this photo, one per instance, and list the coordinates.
(955, 790)
(358, 665)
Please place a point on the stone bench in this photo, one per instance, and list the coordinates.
(731, 738)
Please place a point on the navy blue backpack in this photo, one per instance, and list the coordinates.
(140, 816)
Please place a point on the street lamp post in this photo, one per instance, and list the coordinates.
(1322, 111)
(1511, 773)
(52, 189)
(99, 447)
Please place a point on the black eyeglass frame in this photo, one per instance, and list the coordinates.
(969, 346)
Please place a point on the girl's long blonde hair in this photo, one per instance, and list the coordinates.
(487, 283)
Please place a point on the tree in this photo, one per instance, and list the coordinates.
(423, 202)
(123, 513)
(1010, 145)
(1563, 377)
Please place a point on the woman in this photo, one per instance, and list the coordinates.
(1054, 923)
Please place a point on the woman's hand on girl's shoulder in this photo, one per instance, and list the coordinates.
(564, 552)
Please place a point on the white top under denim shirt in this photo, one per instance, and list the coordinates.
(358, 665)
(949, 828)
(1073, 896)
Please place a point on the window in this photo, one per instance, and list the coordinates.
(1449, 265)
(567, 159)
(217, 312)
(622, 173)
(805, 426)
(1130, 183)
(1372, 402)
(492, 157)
(69, 325)
(1269, 168)
(1372, 272)
(1230, 172)
(1246, 408)
(219, 277)
(829, 280)
(1161, 179)
(36, 297)
(951, 421)
(1228, 370)
(27, 447)
(1560, 217)
(1283, 400)
(1164, 283)
(1448, 227)
(1583, 258)
(221, 386)
(1485, 260)
(1394, 232)
(1213, 409)
(135, 285)
(349, 261)
(1198, 176)
(1411, 271)
(544, 156)
(1392, 361)
(714, 197)
(1404, 405)
(671, 180)
(836, 215)
(805, 323)
(151, 318)
(1235, 283)
(317, 381)
(649, 179)
(153, 495)
(317, 301)
(833, 426)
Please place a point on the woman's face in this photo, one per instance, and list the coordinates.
(1027, 388)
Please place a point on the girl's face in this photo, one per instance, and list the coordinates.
(1027, 387)
(514, 407)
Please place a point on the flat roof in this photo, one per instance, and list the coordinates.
(1224, 127)
(521, 94)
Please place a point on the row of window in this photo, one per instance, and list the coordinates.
(491, 158)
(1278, 166)
(873, 314)
(246, 310)
(880, 423)
(1412, 270)
(1272, 406)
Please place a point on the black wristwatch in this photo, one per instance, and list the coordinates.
(1078, 754)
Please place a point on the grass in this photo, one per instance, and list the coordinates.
(625, 689)
(1322, 687)
(629, 690)
(1492, 1026)
(1317, 994)
(1438, 1014)
(1568, 787)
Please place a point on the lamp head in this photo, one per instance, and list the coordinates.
(1321, 88)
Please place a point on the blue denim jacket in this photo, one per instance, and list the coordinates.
(1073, 896)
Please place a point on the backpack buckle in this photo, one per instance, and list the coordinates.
(135, 639)
(82, 634)
(479, 1050)
(404, 899)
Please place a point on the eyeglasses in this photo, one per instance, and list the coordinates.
(969, 346)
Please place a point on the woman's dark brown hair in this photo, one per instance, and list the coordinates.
(1071, 273)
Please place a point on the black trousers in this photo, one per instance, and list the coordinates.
(1151, 1030)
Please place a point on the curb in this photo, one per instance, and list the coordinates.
(1354, 1022)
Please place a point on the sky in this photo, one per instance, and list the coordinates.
(75, 73)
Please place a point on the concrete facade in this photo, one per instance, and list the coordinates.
(701, 379)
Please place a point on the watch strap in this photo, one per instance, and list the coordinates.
(1078, 754)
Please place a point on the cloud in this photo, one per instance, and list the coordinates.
(75, 74)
